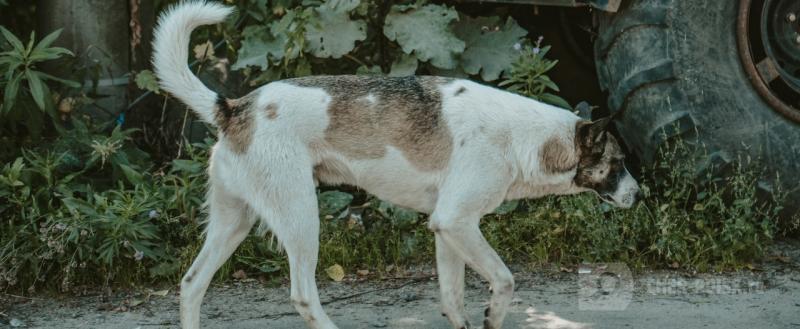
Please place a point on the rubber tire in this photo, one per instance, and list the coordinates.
(672, 66)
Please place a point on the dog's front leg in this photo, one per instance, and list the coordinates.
(470, 191)
(465, 237)
(450, 268)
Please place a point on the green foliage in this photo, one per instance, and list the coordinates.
(331, 202)
(257, 46)
(90, 207)
(374, 235)
(24, 84)
(528, 76)
(350, 36)
(490, 45)
(682, 222)
(333, 34)
(146, 80)
(404, 65)
(425, 31)
(64, 222)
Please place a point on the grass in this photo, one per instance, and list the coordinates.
(686, 219)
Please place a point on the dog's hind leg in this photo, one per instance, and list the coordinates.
(450, 268)
(292, 215)
(228, 225)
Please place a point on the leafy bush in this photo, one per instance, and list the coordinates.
(62, 223)
(286, 39)
(91, 207)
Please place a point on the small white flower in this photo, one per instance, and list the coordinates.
(61, 226)
(517, 46)
(138, 255)
(536, 50)
(153, 214)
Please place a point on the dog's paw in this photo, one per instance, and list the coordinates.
(486, 323)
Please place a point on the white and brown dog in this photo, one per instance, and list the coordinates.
(450, 148)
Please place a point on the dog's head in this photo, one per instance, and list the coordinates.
(601, 166)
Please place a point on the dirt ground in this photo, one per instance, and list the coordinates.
(768, 297)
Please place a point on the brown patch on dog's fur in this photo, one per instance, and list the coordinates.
(235, 122)
(190, 277)
(367, 114)
(556, 156)
(272, 111)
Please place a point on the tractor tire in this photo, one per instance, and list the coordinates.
(673, 68)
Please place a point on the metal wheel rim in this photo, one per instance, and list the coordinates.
(766, 71)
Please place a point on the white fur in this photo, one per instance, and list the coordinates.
(171, 49)
(496, 138)
(625, 195)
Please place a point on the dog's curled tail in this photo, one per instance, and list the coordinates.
(171, 50)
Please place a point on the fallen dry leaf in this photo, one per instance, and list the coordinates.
(335, 272)
(239, 275)
(204, 51)
(161, 293)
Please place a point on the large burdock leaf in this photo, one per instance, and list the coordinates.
(331, 202)
(146, 80)
(403, 66)
(400, 217)
(334, 34)
(425, 31)
(258, 43)
(490, 45)
(506, 207)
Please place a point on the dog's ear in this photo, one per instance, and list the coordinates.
(604, 123)
(592, 135)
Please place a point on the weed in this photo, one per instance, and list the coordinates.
(26, 96)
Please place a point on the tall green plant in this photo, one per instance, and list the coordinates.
(529, 76)
(22, 81)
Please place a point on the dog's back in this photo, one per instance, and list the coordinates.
(394, 137)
